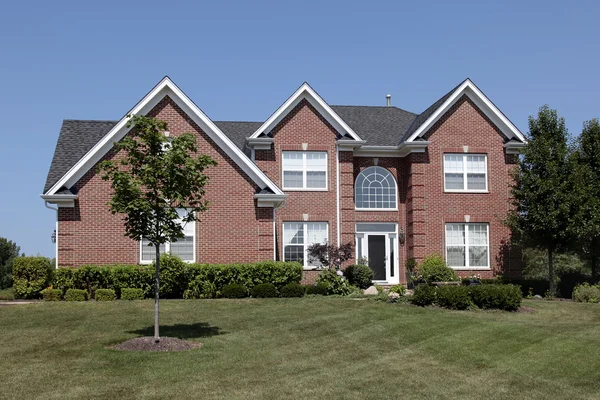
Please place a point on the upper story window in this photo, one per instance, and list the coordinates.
(183, 248)
(465, 173)
(304, 170)
(375, 188)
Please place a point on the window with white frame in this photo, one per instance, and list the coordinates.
(297, 236)
(375, 188)
(183, 248)
(467, 246)
(304, 170)
(465, 172)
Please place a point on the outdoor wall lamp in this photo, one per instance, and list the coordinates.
(401, 236)
(53, 236)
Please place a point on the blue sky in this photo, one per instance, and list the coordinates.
(241, 60)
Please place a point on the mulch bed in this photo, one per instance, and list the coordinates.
(524, 309)
(147, 343)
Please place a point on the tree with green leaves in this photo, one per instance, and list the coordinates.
(585, 166)
(8, 252)
(153, 177)
(542, 206)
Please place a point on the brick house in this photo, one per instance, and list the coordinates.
(394, 183)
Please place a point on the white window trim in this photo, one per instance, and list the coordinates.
(464, 157)
(304, 171)
(305, 245)
(467, 267)
(168, 249)
(376, 209)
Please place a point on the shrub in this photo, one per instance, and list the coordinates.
(76, 295)
(334, 283)
(400, 289)
(264, 290)
(7, 294)
(132, 277)
(434, 269)
(423, 295)
(105, 295)
(501, 297)
(359, 275)
(200, 288)
(173, 276)
(132, 294)
(30, 276)
(63, 278)
(91, 277)
(453, 297)
(317, 289)
(234, 291)
(292, 290)
(586, 293)
(535, 286)
(50, 294)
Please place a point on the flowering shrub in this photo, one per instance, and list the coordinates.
(333, 283)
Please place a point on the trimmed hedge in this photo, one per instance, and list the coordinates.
(30, 276)
(359, 275)
(264, 290)
(423, 295)
(317, 289)
(50, 294)
(500, 297)
(234, 291)
(292, 290)
(132, 294)
(453, 297)
(105, 295)
(76, 295)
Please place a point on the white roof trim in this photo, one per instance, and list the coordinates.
(308, 93)
(481, 100)
(163, 88)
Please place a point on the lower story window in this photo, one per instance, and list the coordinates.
(297, 236)
(182, 248)
(467, 246)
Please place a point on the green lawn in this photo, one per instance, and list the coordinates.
(301, 348)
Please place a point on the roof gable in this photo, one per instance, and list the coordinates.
(430, 116)
(164, 88)
(308, 93)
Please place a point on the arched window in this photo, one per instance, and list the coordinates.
(375, 188)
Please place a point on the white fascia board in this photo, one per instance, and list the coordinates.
(350, 145)
(514, 147)
(401, 150)
(163, 88)
(259, 143)
(61, 200)
(481, 100)
(306, 92)
(269, 200)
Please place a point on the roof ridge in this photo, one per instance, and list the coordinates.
(90, 120)
(355, 105)
(252, 122)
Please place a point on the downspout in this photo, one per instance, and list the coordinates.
(337, 188)
(275, 229)
(56, 229)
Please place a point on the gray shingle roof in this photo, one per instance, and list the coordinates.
(76, 138)
(238, 131)
(379, 126)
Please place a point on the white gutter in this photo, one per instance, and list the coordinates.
(337, 188)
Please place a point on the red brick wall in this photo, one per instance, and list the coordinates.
(232, 230)
(428, 207)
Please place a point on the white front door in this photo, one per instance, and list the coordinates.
(377, 243)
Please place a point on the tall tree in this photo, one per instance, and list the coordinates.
(585, 164)
(8, 252)
(152, 177)
(541, 213)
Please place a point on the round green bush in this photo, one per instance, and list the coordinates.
(234, 291)
(50, 294)
(292, 290)
(434, 269)
(264, 290)
(76, 295)
(317, 289)
(586, 293)
(359, 275)
(105, 295)
(500, 297)
(454, 297)
(423, 295)
(132, 294)
(30, 276)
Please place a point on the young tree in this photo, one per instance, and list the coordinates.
(8, 252)
(330, 255)
(585, 164)
(155, 177)
(541, 212)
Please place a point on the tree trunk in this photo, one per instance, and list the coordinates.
(551, 270)
(156, 294)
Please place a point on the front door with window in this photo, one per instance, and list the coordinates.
(377, 243)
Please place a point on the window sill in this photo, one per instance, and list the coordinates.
(375, 209)
(304, 190)
(151, 261)
(471, 268)
(465, 191)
